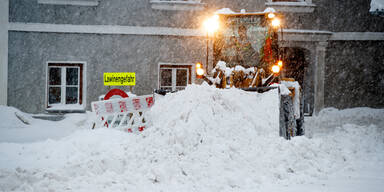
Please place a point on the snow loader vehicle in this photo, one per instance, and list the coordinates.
(246, 55)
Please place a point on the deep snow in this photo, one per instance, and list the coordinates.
(200, 139)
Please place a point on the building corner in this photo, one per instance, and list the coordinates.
(4, 16)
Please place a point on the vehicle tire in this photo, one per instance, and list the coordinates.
(300, 121)
(287, 118)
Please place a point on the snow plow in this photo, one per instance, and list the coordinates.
(247, 56)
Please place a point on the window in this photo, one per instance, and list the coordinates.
(193, 1)
(70, 2)
(295, 6)
(287, 1)
(174, 77)
(65, 86)
(174, 5)
(308, 1)
(377, 8)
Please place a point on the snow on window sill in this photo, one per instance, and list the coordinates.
(177, 5)
(293, 7)
(70, 2)
(66, 108)
(377, 13)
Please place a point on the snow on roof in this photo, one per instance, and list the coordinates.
(224, 11)
(269, 10)
(228, 11)
(377, 5)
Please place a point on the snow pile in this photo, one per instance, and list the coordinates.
(222, 66)
(200, 139)
(17, 126)
(11, 118)
(283, 89)
(330, 118)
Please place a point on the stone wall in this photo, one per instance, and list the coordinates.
(120, 12)
(354, 74)
(29, 52)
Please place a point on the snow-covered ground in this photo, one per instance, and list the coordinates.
(200, 139)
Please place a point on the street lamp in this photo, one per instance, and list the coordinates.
(211, 25)
(276, 23)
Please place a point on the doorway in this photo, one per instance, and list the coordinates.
(296, 65)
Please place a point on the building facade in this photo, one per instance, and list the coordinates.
(54, 52)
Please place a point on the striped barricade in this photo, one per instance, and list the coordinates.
(127, 114)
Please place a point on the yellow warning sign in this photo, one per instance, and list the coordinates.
(119, 79)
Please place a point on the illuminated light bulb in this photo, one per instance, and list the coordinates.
(275, 69)
(280, 63)
(200, 71)
(275, 22)
(198, 65)
(212, 24)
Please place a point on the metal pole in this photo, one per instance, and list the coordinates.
(206, 61)
(282, 75)
(282, 37)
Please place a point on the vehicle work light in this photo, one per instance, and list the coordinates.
(199, 70)
(275, 69)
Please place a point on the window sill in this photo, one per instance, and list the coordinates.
(292, 7)
(70, 2)
(66, 108)
(177, 5)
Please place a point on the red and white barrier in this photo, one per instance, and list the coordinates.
(127, 114)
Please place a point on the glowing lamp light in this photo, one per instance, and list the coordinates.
(200, 71)
(280, 63)
(198, 65)
(276, 22)
(275, 69)
(211, 25)
(271, 15)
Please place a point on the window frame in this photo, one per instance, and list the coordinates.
(292, 1)
(174, 66)
(63, 86)
(177, 5)
(70, 2)
(62, 107)
(299, 6)
(375, 9)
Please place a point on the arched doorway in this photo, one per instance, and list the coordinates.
(296, 65)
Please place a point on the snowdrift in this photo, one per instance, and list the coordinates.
(200, 139)
(17, 126)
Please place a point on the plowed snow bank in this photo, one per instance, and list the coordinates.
(201, 139)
